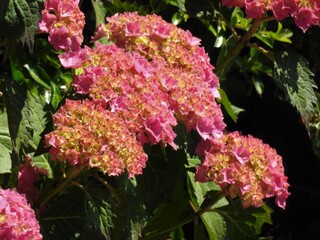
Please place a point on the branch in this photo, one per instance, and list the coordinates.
(241, 43)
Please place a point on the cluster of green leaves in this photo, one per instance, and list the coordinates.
(165, 201)
(19, 22)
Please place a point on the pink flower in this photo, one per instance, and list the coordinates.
(210, 127)
(64, 22)
(304, 18)
(244, 167)
(168, 83)
(83, 83)
(153, 129)
(88, 135)
(162, 30)
(242, 154)
(202, 173)
(73, 59)
(100, 32)
(132, 29)
(283, 8)
(233, 3)
(27, 177)
(156, 127)
(254, 8)
(17, 219)
(141, 65)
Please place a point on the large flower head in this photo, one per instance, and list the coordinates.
(17, 219)
(125, 84)
(152, 37)
(64, 22)
(183, 68)
(87, 135)
(244, 167)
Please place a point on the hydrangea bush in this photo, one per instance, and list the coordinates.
(138, 141)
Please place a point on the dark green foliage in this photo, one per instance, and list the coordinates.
(18, 23)
(293, 76)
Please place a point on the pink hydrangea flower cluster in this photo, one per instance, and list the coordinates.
(125, 84)
(64, 22)
(28, 175)
(244, 167)
(305, 12)
(138, 88)
(17, 219)
(185, 72)
(148, 92)
(88, 135)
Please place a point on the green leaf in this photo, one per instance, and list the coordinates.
(239, 20)
(214, 222)
(293, 76)
(178, 234)
(100, 11)
(232, 112)
(30, 15)
(39, 75)
(132, 212)
(99, 209)
(225, 49)
(16, 72)
(42, 162)
(149, 197)
(178, 3)
(268, 37)
(244, 223)
(27, 117)
(258, 85)
(18, 21)
(179, 17)
(166, 218)
(5, 142)
(67, 219)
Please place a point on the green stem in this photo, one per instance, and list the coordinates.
(262, 50)
(109, 187)
(241, 43)
(185, 221)
(52, 192)
(170, 229)
(229, 25)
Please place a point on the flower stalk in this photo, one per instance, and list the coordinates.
(73, 172)
(234, 52)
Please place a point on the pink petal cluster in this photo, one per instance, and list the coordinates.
(126, 84)
(64, 22)
(138, 88)
(28, 175)
(156, 38)
(244, 167)
(184, 70)
(17, 219)
(148, 90)
(88, 135)
(305, 12)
